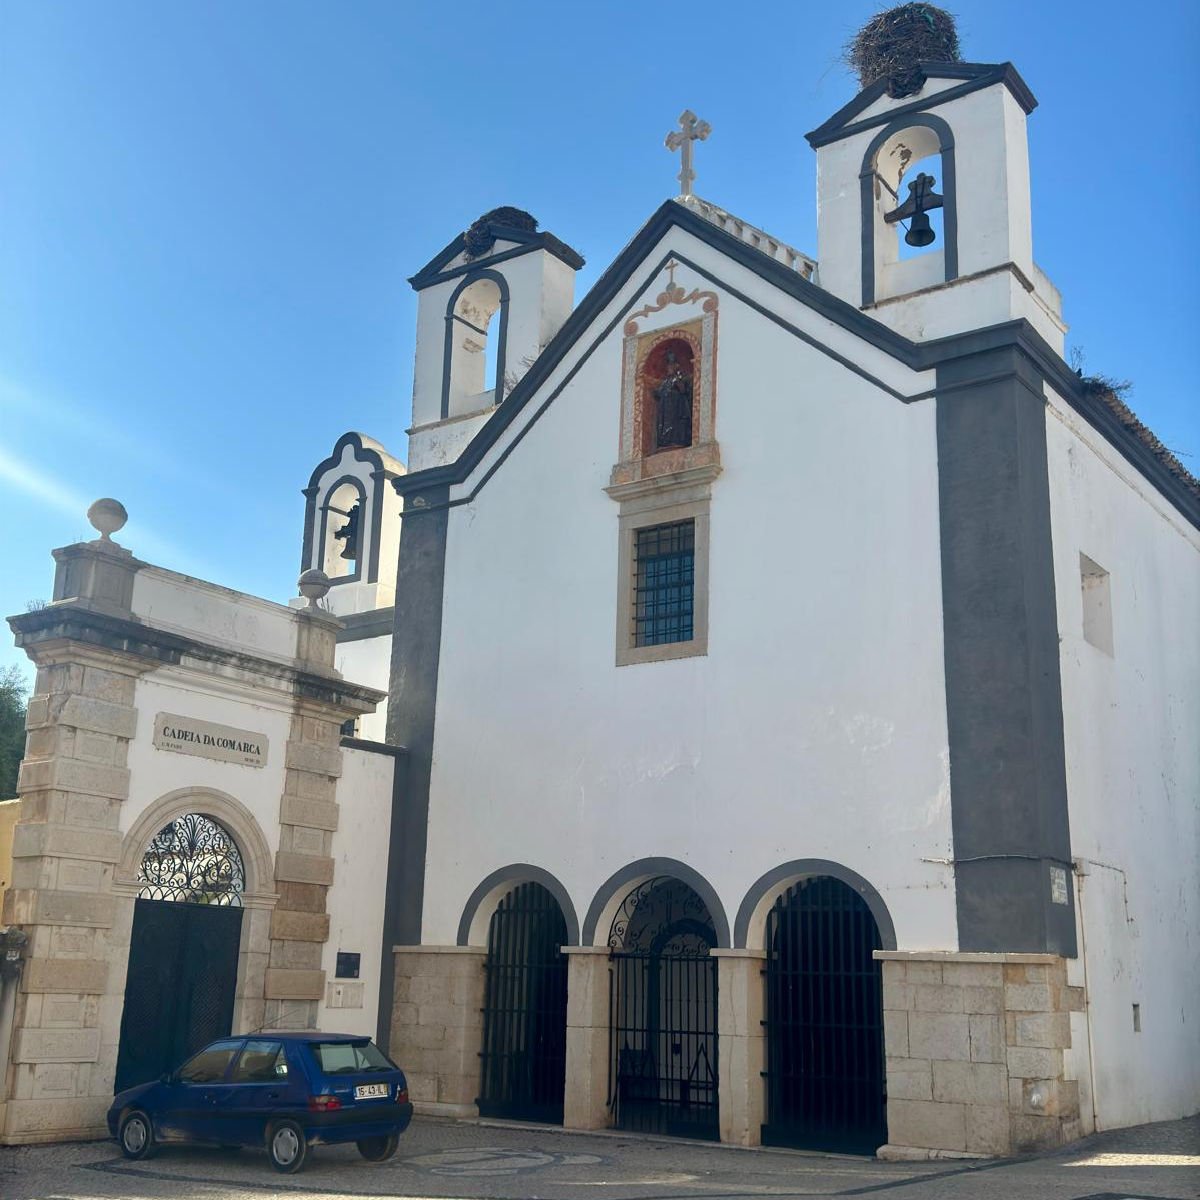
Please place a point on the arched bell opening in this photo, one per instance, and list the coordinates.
(181, 979)
(343, 516)
(824, 1020)
(908, 208)
(664, 1011)
(523, 1058)
(473, 369)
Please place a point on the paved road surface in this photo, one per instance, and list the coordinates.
(485, 1161)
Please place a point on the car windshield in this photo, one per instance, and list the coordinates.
(346, 1058)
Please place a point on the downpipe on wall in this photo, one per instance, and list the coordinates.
(1080, 873)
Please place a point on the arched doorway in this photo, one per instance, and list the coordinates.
(183, 950)
(664, 1012)
(524, 1057)
(825, 1066)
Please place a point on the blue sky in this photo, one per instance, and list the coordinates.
(209, 210)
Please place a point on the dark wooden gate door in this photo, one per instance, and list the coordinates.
(523, 1063)
(825, 1068)
(183, 961)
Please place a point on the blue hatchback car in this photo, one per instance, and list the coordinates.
(287, 1091)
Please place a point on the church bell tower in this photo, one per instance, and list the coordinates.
(488, 305)
(923, 200)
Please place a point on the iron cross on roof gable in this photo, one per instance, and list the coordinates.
(691, 129)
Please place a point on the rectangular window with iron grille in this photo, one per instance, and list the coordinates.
(664, 583)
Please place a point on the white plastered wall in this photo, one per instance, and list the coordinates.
(368, 661)
(235, 621)
(356, 900)
(1133, 772)
(815, 726)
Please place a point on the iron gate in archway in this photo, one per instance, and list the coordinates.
(183, 950)
(523, 1062)
(663, 1019)
(825, 1066)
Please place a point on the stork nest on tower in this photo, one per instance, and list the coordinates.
(479, 239)
(894, 43)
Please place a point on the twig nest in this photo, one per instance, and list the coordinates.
(480, 239)
(894, 43)
(106, 516)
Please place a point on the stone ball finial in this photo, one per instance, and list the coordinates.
(107, 516)
(314, 585)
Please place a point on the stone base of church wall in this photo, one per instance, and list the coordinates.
(437, 1025)
(974, 1046)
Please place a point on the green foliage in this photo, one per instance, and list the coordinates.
(13, 698)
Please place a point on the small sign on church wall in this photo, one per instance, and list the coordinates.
(186, 735)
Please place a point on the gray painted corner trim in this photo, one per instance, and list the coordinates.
(1008, 788)
(866, 181)
(357, 627)
(644, 867)
(519, 873)
(807, 867)
(412, 707)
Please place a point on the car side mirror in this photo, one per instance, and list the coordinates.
(167, 1077)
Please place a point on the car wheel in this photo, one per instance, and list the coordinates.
(287, 1147)
(136, 1135)
(378, 1149)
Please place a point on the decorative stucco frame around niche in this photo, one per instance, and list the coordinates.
(671, 485)
(700, 332)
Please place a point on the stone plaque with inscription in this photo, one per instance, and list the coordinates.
(186, 735)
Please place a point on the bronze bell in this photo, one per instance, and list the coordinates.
(921, 198)
(348, 534)
(920, 232)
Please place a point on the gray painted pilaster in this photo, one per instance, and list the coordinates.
(416, 653)
(1003, 690)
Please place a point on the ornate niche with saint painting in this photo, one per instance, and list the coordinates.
(668, 403)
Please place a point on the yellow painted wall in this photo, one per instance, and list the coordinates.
(9, 811)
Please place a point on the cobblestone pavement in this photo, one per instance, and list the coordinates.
(488, 1161)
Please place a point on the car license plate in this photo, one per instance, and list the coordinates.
(371, 1091)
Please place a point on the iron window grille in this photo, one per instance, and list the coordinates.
(664, 584)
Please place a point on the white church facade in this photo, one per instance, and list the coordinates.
(763, 710)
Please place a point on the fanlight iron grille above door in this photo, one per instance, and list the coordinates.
(524, 1058)
(825, 1068)
(663, 1018)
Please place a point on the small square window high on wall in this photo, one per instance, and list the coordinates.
(1097, 604)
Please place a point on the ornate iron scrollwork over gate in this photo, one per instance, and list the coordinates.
(193, 860)
(825, 1069)
(524, 1058)
(663, 1018)
(183, 951)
